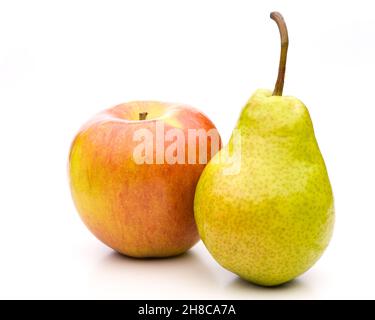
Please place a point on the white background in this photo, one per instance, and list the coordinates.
(63, 61)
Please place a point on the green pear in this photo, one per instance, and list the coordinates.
(264, 204)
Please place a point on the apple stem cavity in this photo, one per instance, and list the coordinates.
(143, 115)
(278, 18)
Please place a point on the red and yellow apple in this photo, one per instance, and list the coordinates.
(133, 171)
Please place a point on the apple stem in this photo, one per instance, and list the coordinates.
(278, 18)
(143, 115)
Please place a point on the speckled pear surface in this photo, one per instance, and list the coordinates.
(270, 221)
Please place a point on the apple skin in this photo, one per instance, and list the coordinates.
(139, 210)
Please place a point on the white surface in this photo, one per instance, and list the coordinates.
(61, 62)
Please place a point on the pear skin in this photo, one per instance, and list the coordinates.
(272, 220)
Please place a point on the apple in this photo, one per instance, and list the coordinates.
(133, 171)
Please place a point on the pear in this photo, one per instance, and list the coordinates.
(264, 204)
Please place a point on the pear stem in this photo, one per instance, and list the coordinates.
(278, 18)
(143, 115)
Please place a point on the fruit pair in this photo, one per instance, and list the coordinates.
(263, 204)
